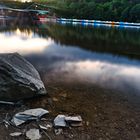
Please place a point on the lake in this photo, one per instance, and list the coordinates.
(91, 71)
(103, 56)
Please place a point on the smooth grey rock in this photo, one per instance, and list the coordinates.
(18, 78)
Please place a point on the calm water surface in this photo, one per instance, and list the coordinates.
(106, 57)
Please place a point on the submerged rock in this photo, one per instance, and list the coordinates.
(18, 78)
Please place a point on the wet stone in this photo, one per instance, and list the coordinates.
(18, 78)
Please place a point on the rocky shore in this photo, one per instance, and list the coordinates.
(106, 114)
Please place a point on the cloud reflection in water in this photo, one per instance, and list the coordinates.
(22, 42)
(70, 63)
(74, 64)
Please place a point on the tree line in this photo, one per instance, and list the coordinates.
(114, 10)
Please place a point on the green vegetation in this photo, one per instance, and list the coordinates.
(115, 10)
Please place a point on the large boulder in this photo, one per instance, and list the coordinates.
(18, 78)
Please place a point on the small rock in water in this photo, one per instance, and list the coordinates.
(15, 134)
(73, 119)
(31, 114)
(63, 121)
(55, 99)
(6, 123)
(43, 127)
(37, 112)
(49, 126)
(59, 121)
(33, 134)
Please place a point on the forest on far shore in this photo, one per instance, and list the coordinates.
(112, 10)
(116, 10)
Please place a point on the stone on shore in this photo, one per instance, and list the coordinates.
(18, 78)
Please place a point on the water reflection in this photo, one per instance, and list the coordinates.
(22, 42)
(105, 40)
(106, 74)
(76, 54)
(70, 65)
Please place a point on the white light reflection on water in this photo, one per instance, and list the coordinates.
(22, 42)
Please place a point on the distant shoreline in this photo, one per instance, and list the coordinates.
(125, 11)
